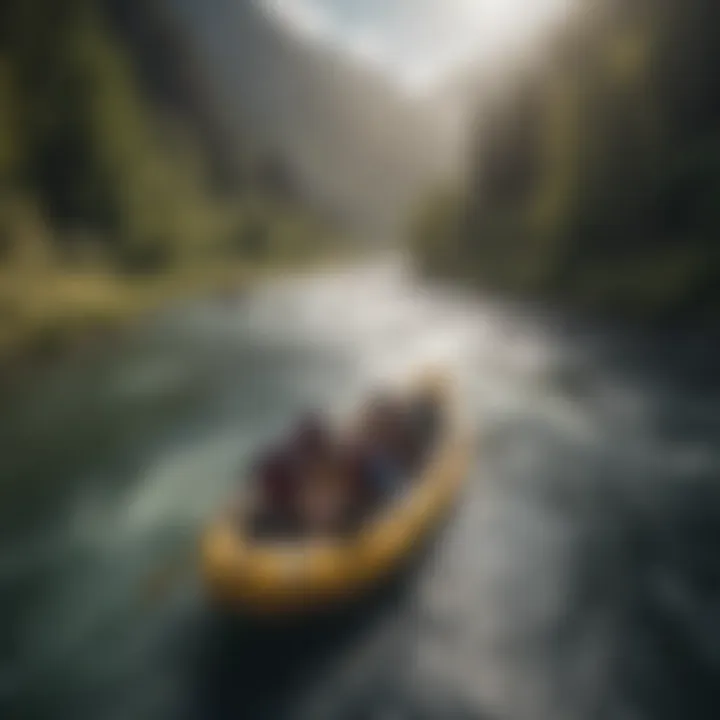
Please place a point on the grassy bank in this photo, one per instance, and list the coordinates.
(119, 190)
(43, 313)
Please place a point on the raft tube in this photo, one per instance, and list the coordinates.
(273, 578)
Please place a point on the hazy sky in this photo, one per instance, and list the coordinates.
(419, 41)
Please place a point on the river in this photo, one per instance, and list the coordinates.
(579, 579)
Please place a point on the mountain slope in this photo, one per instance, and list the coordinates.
(356, 143)
(108, 133)
(595, 178)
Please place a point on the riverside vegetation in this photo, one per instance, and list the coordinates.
(114, 193)
(594, 181)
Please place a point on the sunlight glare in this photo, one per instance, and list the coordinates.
(420, 43)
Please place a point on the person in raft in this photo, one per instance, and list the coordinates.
(379, 451)
(318, 484)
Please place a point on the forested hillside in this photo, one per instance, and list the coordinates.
(596, 171)
(107, 134)
(114, 159)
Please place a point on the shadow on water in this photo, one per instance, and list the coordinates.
(269, 674)
(669, 659)
(259, 671)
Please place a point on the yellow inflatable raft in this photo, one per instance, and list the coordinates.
(272, 578)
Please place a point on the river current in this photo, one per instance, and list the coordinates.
(579, 579)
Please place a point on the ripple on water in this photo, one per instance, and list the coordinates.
(578, 577)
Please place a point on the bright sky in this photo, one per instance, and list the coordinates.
(417, 42)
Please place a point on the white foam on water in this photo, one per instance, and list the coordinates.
(501, 564)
